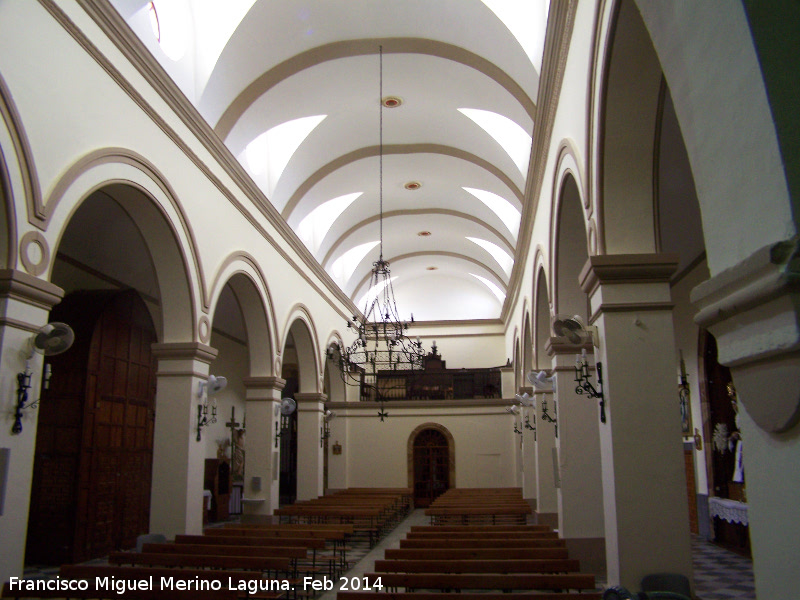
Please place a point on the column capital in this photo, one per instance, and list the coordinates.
(627, 268)
(29, 289)
(184, 351)
(751, 309)
(557, 346)
(269, 382)
(309, 397)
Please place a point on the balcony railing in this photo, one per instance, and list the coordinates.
(434, 383)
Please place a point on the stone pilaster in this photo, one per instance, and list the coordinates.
(25, 303)
(644, 484)
(262, 446)
(176, 505)
(310, 411)
(578, 480)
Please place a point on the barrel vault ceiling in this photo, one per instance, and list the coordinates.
(295, 91)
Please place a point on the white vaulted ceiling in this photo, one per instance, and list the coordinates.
(292, 89)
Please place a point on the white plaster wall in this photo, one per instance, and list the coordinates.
(484, 445)
(232, 363)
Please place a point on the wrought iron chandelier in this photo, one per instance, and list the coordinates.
(382, 359)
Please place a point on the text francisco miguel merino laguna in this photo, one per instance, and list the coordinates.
(122, 585)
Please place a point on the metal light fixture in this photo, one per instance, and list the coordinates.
(584, 385)
(381, 348)
(206, 389)
(325, 430)
(542, 382)
(49, 340)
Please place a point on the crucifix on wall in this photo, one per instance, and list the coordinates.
(237, 447)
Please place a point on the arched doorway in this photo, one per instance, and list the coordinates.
(431, 465)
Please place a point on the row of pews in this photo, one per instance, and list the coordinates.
(502, 561)
(262, 561)
(479, 506)
(371, 511)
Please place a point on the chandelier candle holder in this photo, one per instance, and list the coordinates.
(382, 357)
(584, 386)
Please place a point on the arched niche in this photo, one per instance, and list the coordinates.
(451, 451)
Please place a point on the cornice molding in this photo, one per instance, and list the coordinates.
(267, 382)
(29, 289)
(627, 268)
(184, 351)
(433, 404)
(560, 345)
(310, 397)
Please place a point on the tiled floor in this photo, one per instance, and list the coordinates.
(720, 574)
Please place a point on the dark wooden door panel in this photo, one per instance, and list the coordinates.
(431, 466)
(93, 464)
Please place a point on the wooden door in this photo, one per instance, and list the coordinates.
(94, 442)
(114, 498)
(431, 466)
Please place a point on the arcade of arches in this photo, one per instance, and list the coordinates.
(660, 207)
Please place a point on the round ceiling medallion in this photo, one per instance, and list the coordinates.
(413, 185)
(391, 101)
(424, 233)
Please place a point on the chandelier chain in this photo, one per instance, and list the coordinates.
(380, 145)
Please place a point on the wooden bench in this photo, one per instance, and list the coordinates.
(482, 543)
(484, 581)
(270, 566)
(470, 528)
(519, 565)
(486, 535)
(364, 519)
(315, 546)
(475, 553)
(346, 528)
(337, 537)
(466, 515)
(459, 596)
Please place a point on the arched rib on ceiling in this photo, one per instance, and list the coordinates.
(494, 233)
(371, 151)
(363, 47)
(401, 236)
(361, 287)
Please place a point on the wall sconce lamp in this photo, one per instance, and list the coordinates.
(527, 400)
(544, 383)
(584, 385)
(325, 430)
(514, 410)
(23, 385)
(49, 340)
(206, 389)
